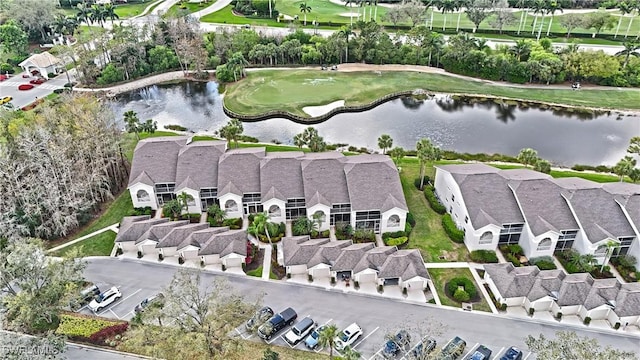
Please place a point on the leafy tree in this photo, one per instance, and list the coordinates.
(184, 199)
(110, 74)
(634, 175)
(528, 156)
(568, 345)
(395, 15)
(397, 153)
(327, 338)
(298, 141)
(571, 22)
(598, 21)
(543, 166)
(502, 16)
(624, 167)
(217, 215)
(236, 65)
(35, 289)
(162, 58)
(304, 8)
(132, 123)
(413, 10)
(350, 354)
(478, 11)
(634, 145)
(630, 49)
(303, 226)
(172, 209)
(33, 15)
(426, 151)
(16, 347)
(12, 37)
(346, 32)
(385, 142)
(232, 131)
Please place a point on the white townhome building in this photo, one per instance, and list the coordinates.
(541, 214)
(363, 190)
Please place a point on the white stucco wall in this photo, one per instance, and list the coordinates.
(211, 259)
(133, 190)
(327, 211)
(169, 251)
(472, 237)
(281, 204)
(232, 260)
(414, 283)
(189, 253)
(296, 269)
(195, 207)
(530, 247)
(127, 246)
(366, 276)
(571, 310)
(402, 214)
(223, 205)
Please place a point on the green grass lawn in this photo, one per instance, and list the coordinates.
(189, 8)
(440, 277)
(99, 245)
(267, 90)
(126, 11)
(258, 273)
(225, 16)
(601, 178)
(428, 235)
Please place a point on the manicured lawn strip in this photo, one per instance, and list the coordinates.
(440, 277)
(267, 90)
(428, 235)
(258, 273)
(272, 147)
(600, 178)
(125, 11)
(225, 16)
(175, 10)
(99, 245)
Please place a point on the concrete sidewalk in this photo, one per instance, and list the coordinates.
(113, 228)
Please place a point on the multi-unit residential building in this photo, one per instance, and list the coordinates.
(363, 190)
(542, 214)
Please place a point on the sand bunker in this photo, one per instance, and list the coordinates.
(322, 109)
(349, 14)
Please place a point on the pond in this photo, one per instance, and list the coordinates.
(563, 138)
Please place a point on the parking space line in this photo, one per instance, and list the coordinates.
(365, 338)
(375, 356)
(114, 314)
(498, 353)
(466, 356)
(526, 357)
(120, 301)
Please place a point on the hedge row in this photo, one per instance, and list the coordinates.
(99, 337)
(396, 234)
(426, 181)
(396, 241)
(454, 285)
(484, 256)
(451, 229)
(543, 263)
(233, 223)
(433, 200)
(80, 326)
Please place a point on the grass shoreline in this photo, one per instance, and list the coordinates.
(267, 90)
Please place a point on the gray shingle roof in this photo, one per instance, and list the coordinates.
(178, 234)
(523, 174)
(198, 162)
(628, 300)
(350, 256)
(232, 241)
(374, 258)
(132, 227)
(575, 289)
(299, 250)
(328, 253)
(324, 175)
(603, 292)
(158, 231)
(488, 199)
(572, 183)
(199, 238)
(543, 206)
(281, 175)
(240, 168)
(628, 196)
(512, 281)
(547, 282)
(405, 264)
(373, 183)
(599, 214)
(155, 160)
(468, 169)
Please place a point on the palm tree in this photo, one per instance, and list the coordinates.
(318, 219)
(459, 4)
(304, 8)
(446, 6)
(385, 142)
(611, 248)
(346, 31)
(538, 7)
(426, 151)
(481, 44)
(397, 153)
(630, 48)
(132, 123)
(350, 354)
(217, 215)
(327, 338)
(298, 141)
(231, 131)
(184, 199)
(552, 7)
(260, 222)
(84, 13)
(523, 4)
(521, 49)
(624, 167)
(624, 8)
(110, 13)
(236, 64)
(435, 42)
(635, 6)
(98, 14)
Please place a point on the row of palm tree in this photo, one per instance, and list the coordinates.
(362, 4)
(96, 14)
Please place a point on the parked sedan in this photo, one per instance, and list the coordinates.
(5, 100)
(513, 353)
(425, 347)
(148, 301)
(105, 299)
(348, 336)
(37, 81)
(314, 338)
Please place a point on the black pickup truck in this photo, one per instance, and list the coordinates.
(277, 323)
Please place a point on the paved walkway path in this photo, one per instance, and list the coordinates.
(218, 5)
(266, 263)
(113, 228)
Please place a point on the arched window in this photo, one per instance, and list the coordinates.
(274, 211)
(143, 195)
(545, 244)
(394, 221)
(486, 238)
(231, 205)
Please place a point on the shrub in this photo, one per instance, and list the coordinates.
(139, 254)
(617, 326)
(100, 336)
(455, 234)
(396, 234)
(396, 241)
(531, 311)
(460, 295)
(180, 260)
(512, 259)
(433, 201)
(411, 219)
(484, 256)
(119, 251)
(380, 289)
(559, 315)
(175, 127)
(454, 284)
(224, 267)
(81, 326)
(404, 291)
(310, 277)
(356, 285)
(6, 68)
(408, 228)
(202, 263)
(515, 249)
(333, 280)
(426, 182)
(160, 257)
(325, 234)
(587, 320)
(543, 263)
(233, 223)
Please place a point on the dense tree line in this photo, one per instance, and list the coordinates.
(58, 164)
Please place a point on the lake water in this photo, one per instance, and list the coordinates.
(562, 138)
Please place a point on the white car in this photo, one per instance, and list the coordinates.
(298, 332)
(105, 299)
(348, 336)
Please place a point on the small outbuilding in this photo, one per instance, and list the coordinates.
(44, 63)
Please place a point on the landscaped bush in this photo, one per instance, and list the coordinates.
(99, 337)
(513, 249)
(361, 235)
(543, 263)
(411, 219)
(456, 283)
(512, 259)
(483, 256)
(141, 211)
(175, 127)
(433, 201)
(193, 218)
(23, 87)
(344, 231)
(396, 241)
(451, 229)
(587, 320)
(460, 295)
(626, 266)
(425, 182)
(233, 223)
(81, 326)
(408, 228)
(6, 68)
(395, 234)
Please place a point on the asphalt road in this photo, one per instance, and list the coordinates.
(9, 87)
(377, 316)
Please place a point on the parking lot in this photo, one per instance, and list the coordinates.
(375, 334)
(122, 309)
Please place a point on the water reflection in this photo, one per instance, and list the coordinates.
(485, 126)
